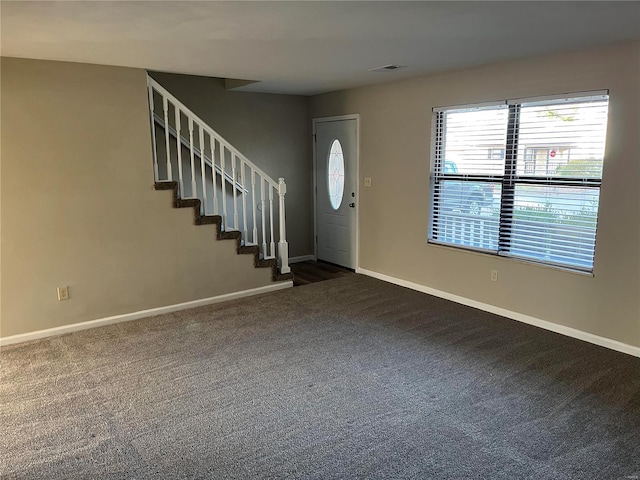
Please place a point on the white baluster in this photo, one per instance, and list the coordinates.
(244, 203)
(179, 148)
(235, 197)
(156, 176)
(203, 170)
(263, 207)
(224, 188)
(253, 202)
(165, 108)
(273, 243)
(194, 192)
(283, 246)
(239, 181)
(216, 211)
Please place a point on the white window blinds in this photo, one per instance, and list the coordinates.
(520, 178)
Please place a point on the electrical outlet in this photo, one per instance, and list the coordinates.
(63, 293)
(367, 181)
(494, 275)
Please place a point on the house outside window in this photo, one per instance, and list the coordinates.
(545, 160)
(537, 201)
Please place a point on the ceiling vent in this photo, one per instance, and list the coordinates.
(387, 68)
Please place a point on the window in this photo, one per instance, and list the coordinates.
(335, 174)
(520, 178)
(496, 152)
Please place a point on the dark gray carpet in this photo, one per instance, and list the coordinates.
(348, 378)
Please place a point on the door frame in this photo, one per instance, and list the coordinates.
(314, 122)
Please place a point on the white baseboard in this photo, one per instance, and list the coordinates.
(554, 327)
(302, 258)
(25, 337)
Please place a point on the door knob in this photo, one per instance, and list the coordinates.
(352, 205)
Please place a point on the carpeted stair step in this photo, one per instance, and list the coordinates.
(241, 248)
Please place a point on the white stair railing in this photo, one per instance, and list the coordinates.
(220, 163)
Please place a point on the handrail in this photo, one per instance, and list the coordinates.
(190, 114)
(185, 141)
(232, 167)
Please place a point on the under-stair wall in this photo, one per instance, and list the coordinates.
(78, 206)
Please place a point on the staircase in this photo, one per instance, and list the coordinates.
(223, 187)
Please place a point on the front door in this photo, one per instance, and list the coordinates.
(336, 150)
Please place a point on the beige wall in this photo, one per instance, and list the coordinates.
(271, 130)
(395, 146)
(79, 209)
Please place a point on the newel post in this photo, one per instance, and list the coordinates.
(283, 246)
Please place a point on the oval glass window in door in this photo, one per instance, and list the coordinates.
(335, 174)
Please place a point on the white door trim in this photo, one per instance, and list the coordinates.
(314, 122)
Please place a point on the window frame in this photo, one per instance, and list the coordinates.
(510, 178)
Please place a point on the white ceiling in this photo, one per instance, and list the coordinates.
(308, 47)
